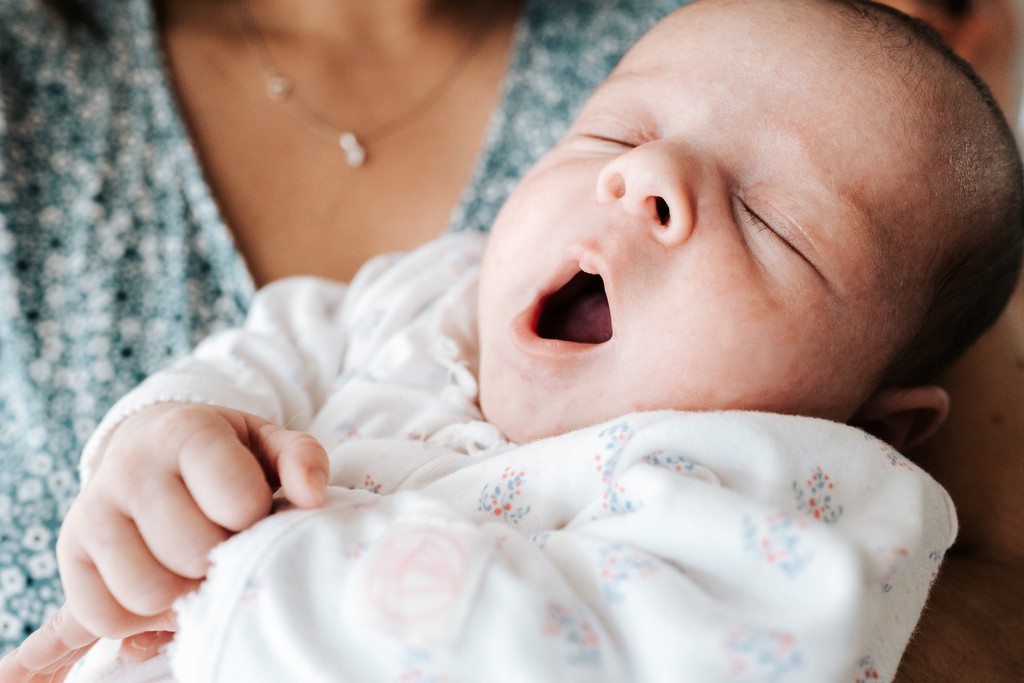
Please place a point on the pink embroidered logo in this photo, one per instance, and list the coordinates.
(418, 574)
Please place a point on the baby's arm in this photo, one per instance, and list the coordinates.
(175, 481)
(194, 454)
(168, 475)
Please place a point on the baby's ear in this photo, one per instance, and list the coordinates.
(903, 416)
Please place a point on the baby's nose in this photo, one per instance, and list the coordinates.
(649, 184)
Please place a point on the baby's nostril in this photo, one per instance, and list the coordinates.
(662, 206)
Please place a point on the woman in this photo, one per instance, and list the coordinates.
(127, 239)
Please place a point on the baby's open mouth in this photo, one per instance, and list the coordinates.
(578, 312)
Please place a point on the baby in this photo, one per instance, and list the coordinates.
(779, 211)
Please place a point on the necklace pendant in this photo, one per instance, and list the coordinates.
(278, 87)
(355, 155)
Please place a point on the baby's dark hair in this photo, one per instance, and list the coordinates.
(973, 277)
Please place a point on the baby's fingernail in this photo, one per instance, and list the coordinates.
(143, 646)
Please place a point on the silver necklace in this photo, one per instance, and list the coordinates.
(279, 88)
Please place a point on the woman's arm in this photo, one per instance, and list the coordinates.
(973, 627)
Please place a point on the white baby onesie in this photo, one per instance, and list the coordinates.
(661, 546)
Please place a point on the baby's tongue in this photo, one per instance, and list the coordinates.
(587, 320)
(577, 313)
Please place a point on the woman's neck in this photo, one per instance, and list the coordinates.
(362, 25)
(415, 83)
(381, 25)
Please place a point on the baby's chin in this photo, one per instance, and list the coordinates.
(528, 435)
(517, 423)
(521, 425)
(518, 429)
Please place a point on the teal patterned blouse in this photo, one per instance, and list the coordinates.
(114, 259)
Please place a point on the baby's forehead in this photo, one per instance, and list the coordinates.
(784, 47)
(850, 34)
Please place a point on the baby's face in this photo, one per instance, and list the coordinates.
(722, 190)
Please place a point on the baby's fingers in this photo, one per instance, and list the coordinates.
(47, 655)
(298, 459)
(218, 467)
(114, 585)
(230, 461)
(176, 531)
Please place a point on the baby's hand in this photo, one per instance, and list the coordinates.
(175, 480)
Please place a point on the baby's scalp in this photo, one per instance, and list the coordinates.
(840, 122)
(974, 183)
